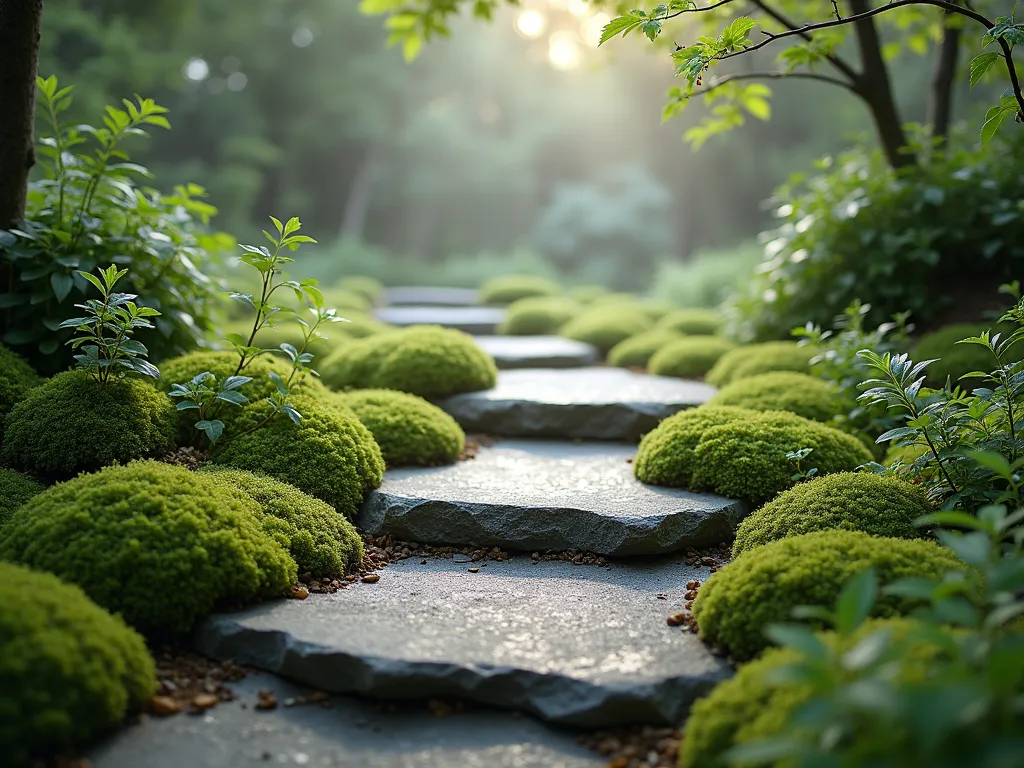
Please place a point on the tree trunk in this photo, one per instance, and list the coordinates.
(19, 42)
(875, 88)
(940, 106)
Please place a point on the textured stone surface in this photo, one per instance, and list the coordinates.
(538, 351)
(468, 319)
(594, 403)
(446, 297)
(536, 495)
(351, 734)
(579, 645)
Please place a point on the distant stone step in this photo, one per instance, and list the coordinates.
(425, 294)
(580, 645)
(538, 352)
(540, 495)
(588, 403)
(475, 320)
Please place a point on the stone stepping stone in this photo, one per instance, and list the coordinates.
(588, 403)
(475, 320)
(538, 352)
(350, 733)
(539, 495)
(446, 297)
(579, 645)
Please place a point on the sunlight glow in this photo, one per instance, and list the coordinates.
(564, 51)
(196, 70)
(579, 8)
(531, 24)
(302, 37)
(592, 27)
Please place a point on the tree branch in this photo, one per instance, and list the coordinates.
(719, 82)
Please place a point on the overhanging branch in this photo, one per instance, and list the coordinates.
(719, 82)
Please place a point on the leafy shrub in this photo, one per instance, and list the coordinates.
(692, 322)
(15, 490)
(16, 379)
(708, 278)
(538, 315)
(222, 365)
(690, 357)
(122, 532)
(408, 429)
(73, 423)
(69, 670)
(875, 504)
(510, 288)
(666, 454)
(761, 358)
(428, 361)
(763, 585)
(751, 458)
(320, 540)
(782, 391)
(636, 351)
(606, 324)
(953, 360)
(329, 454)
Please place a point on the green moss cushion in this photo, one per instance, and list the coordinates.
(764, 584)
(69, 671)
(408, 429)
(509, 288)
(746, 459)
(15, 490)
(329, 454)
(369, 287)
(692, 322)
(346, 300)
(158, 544)
(953, 360)
(656, 310)
(538, 315)
(881, 505)
(666, 454)
(16, 379)
(753, 359)
(321, 541)
(585, 294)
(607, 324)
(428, 361)
(73, 424)
(782, 391)
(636, 351)
(690, 357)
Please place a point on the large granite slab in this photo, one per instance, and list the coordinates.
(589, 403)
(476, 320)
(351, 733)
(538, 352)
(426, 294)
(579, 645)
(537, 495)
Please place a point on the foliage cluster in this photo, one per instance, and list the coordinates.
(15, 490)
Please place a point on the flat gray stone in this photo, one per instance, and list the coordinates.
(589, 403)
(351, 733)
(538, 352)
(426, 294)
(476, 320)
(579, 645)
(534, 495)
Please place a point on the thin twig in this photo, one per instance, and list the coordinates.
(719, 82)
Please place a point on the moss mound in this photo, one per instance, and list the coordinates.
(754, 359)
(68, 671)
(690, 357)
(16, 380)
(782, 391)
(666, 454)
(181, 370)
(320, 540)
(408, 429)
(746, 459)
(881, 505)
(606, 324)
(763, 585)
(329, 454)
(538, 315)
(426, 360)
(510, 288)
(73, 424)
(585, 294)
(15, 490)
(158, 544)
(346, 300)
(369, 287)
(954, 360)
(656, 310)
(636, 351)
(692, 322)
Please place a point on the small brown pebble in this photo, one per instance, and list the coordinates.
(267, 701)
(371, 578)
(676, 619)
(298, 593)
(164, 706)
(473, 570)
(204, 701)
(707, 561)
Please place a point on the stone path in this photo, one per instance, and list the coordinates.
(538, 352)
(476, 320)
(445, 297)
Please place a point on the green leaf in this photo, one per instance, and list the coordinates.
(993, 119)
(799, 638)
(994, 461)
(973, 548)
(981, 64)
(734, 35)
(213, 429)
(763, 752)
(621, 25)
(62, 284)
(855, 601)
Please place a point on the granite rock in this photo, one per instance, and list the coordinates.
(480, 320)
(538, 351)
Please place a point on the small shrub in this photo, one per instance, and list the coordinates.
(881, 505)
(748, 458)
(73, 424)
(690, 357)
(69, 671)
(692, 322)
(953, 360)
(782, 391)
(223, 364)
(158, 544)
(763, 585)
(510, 288)
(754, 359)
(15, 490)
(16, 379)
(538, 315)
(666, 454)
(329, 454)
(636, 351)
(606, 324)
(320, 540)
(408, 429)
